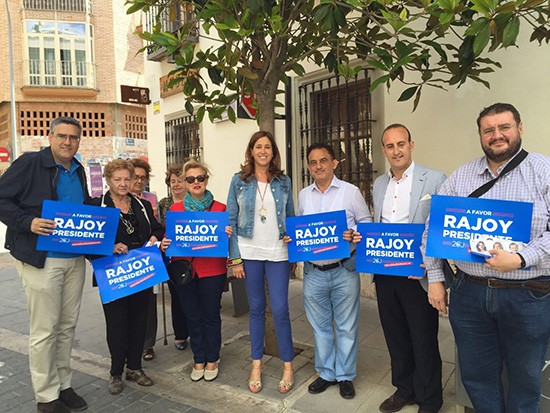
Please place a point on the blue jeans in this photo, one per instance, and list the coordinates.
(200, 300)
(331, 300)
(496, 327)
(277, 275)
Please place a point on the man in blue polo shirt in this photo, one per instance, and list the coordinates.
(53, 282)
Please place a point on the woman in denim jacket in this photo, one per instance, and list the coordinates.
(259, 200)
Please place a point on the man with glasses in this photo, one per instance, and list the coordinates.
(53, 281)
(332, 287)
(499, 310)
(142, 171)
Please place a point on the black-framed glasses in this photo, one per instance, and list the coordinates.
(200, 178)
(62, 137)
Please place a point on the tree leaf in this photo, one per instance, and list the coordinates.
(482, 40)
(511, 31)
(246, 72)
(380, 80)
(407, 94)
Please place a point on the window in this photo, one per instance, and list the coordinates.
(57, 54)
(337, 111)
(59, 5)
(172, 19)
(182, 139)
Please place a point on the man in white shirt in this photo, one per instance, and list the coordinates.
(409, 322)
(331, 287)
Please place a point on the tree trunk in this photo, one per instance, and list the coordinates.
(265, 96)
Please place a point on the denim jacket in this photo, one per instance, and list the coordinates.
(241, 204)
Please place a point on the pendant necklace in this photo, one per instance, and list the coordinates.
(127, 223)
(262, 211)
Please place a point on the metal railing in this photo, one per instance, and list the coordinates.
(337, 111)
(171, 20)
(59, 5)
(59, 73)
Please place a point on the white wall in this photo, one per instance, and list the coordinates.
(444, 125)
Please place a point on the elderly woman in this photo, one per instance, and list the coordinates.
(176, 183)
(259, 200)
(126, 318)
(201, 297)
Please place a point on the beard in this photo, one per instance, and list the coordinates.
(498, 157)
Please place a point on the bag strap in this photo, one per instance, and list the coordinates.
(511, 165)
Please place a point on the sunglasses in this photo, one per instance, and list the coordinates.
(200, 178)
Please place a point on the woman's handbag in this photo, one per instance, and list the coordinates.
(180, 272)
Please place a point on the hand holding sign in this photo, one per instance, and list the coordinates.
(42, 226)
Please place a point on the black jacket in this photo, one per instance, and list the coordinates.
(31, 179)
(147, 223)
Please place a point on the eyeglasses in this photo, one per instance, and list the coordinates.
(62, 137)
(501, 128)
(140, 178)
(200, 178)
(322, 161)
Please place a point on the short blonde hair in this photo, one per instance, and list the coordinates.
(116, 165)
(193, 163)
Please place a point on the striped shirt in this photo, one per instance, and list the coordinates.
(528, 182)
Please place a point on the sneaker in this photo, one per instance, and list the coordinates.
(71, 400)
(115, 385)
(139, 377)
(54, 406)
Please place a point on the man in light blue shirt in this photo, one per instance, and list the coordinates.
(53, 281)
(331, 287)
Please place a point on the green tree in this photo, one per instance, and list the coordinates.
(259, 43)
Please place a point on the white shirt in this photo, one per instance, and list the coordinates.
(265, 244)
(397, 199)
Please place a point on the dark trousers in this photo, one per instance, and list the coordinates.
(126, 320)
(201, 301)
(152, 325)
(179, 320)
(410, 326)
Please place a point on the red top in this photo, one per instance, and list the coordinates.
(204, 266)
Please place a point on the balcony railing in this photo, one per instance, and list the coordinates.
(171, 21)
(59, 5)
(55, 73)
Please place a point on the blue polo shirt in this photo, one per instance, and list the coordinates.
(69, 189)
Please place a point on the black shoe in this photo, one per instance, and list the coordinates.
(182, 345)
(347, 391)
(71, 400)
(394, 403)
(320, 385)
(54, 406)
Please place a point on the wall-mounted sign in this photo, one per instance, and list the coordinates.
(133, 94)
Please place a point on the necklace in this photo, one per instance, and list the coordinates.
(262, 211)
(127, 222)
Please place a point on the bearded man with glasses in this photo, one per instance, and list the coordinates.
(53, 281)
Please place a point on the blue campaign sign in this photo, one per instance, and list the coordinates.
(119, 276)
(197, 234)
(392, 249)
(79, 229)
(317, 236)
(454, 221)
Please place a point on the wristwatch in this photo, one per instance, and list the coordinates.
(522, 265)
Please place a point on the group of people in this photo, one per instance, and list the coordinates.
(498, 310)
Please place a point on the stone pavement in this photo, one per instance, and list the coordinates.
(173, 390)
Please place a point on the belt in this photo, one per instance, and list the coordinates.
(533, 285)
(333, 265)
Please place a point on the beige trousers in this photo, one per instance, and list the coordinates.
(54, 294)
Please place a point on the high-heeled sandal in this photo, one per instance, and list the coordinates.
(286, 385)
(255, 385)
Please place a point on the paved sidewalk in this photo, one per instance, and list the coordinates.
(173, 390)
